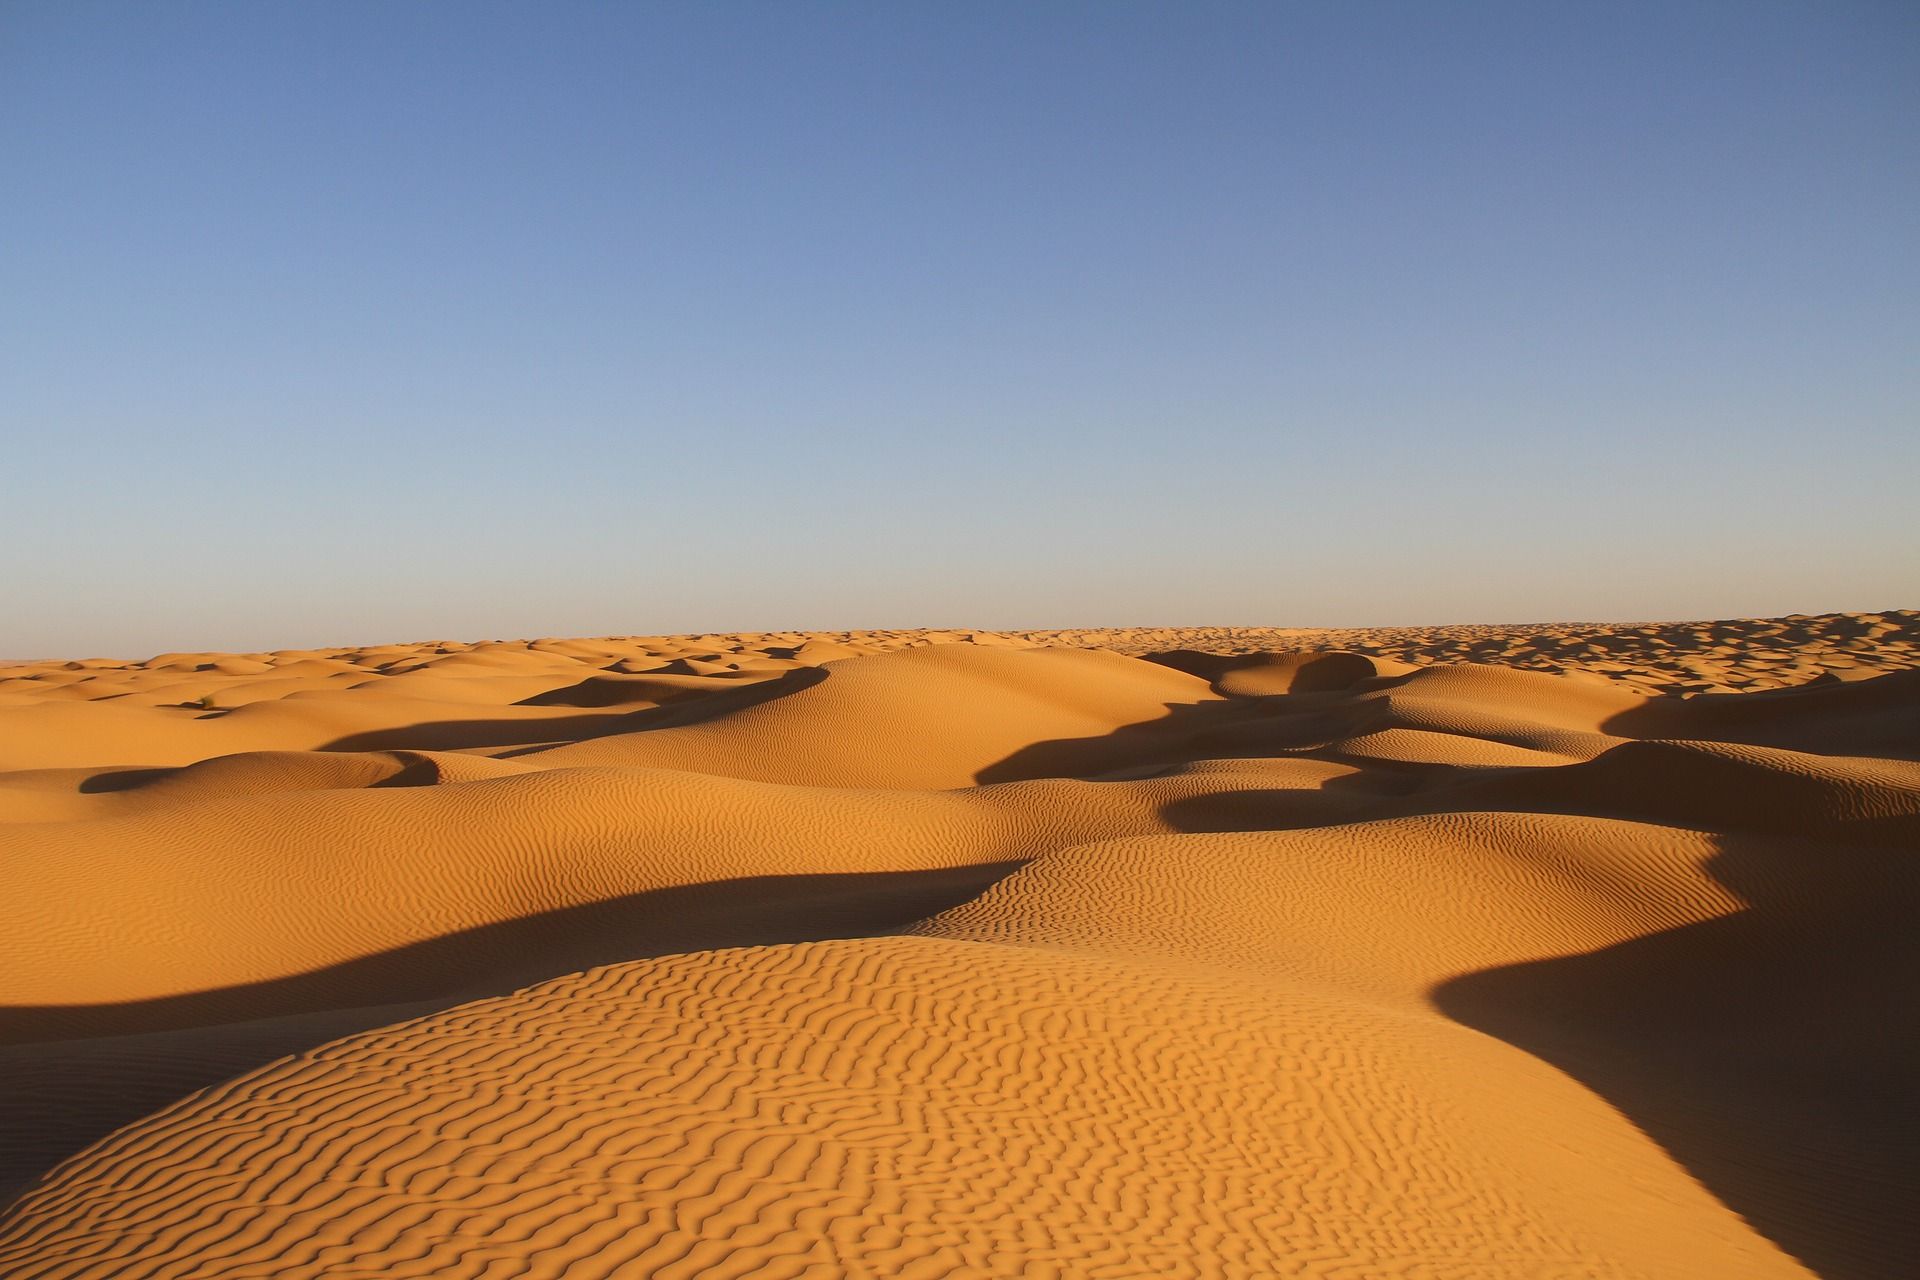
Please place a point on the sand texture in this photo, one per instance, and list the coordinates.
(1557, 951)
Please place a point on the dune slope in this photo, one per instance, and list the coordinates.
(949, 954)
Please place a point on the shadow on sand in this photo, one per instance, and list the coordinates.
(71, 1074)
(1771, 1052)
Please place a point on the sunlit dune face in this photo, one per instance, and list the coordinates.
(1502, 951)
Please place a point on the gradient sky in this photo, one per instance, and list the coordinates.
(336, 323)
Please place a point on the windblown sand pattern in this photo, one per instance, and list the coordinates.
(1446, 952)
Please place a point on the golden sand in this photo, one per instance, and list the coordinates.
(1454, 952)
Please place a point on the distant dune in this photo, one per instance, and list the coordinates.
(1543, 951)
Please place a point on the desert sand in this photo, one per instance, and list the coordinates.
(1555, 951)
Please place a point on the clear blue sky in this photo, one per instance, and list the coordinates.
(332, 323)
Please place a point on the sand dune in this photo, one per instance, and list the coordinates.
(1477, 951)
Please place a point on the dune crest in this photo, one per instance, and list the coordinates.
(1525, 951)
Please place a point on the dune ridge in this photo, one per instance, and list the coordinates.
(1477, 951)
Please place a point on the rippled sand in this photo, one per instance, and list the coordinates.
(1461, 951)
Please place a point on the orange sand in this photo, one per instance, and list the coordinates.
(1449, 952)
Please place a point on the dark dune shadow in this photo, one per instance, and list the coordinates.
(511, 953)
(123, 779)
(1600, 788)
(1233, 728)
(1312, 701)
(467, 735)
(1132, 750)
(723, 701)
(1771, 1052)
(1876, 717)
(536, 734)
(1296, 671)
(1381, 789)
(620, 689)
(1199, 662)
(71, 1074)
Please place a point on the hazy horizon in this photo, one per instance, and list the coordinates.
(359, 323)
(366, 641)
